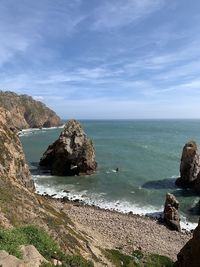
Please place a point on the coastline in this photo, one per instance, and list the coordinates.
(122, 231)
(81, 199)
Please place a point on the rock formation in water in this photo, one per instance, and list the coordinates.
(12, 160)
(190, 167)
(72, 154)
(189, 254)
(171, 214)
(27, 112)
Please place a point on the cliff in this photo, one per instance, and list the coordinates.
(27, 112)
(12, 160)
(189, 254)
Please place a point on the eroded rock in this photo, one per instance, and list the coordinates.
(190, 165)
(189, 254)
(171, 214)
(72, 154)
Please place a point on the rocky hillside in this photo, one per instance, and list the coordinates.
(20, 205)
(27, 112)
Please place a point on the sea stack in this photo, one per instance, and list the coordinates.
(72, 154)
(189, 254)
(190, 166)
(171, 215)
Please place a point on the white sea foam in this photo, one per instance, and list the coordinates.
(30, 131)
(99, 200)
(187, 225)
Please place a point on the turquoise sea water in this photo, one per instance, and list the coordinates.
(147, 153)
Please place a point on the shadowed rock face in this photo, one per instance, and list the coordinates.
(27, 112)
(189, 256)
(171, 215)
(190, 165)
(72, 154)
(12, 160)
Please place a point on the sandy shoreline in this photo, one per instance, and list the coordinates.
(127, 232)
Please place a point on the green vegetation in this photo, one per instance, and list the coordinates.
(137, 259)
(11, 240)
(154, 260)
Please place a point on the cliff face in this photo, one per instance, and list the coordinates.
(12, 160)
(27, 112)
(189, 254)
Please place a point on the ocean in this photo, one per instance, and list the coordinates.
(147, 153)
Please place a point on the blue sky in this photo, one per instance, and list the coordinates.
(104, 59)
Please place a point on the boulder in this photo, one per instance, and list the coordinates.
(31, 256)
(72, 154)
(171, 215)
(7, 260)
(190, 165)
(189, 254)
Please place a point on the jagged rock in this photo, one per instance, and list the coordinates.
(27, 112)
(189, 254)
(190, 165)
(31, 256)
(72, 154)
(12, 159)
(171, 215)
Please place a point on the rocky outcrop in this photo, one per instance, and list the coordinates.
(190, 167)
(30, 258)
(189, 254)
(27, 112)
(12, 160)
(171, 214)
(7, 260)
(72, 154)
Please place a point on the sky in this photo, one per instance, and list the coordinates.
(107, 59)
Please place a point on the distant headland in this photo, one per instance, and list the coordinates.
(27, 112)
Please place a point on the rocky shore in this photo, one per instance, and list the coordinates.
(126, 232)
(81, 231)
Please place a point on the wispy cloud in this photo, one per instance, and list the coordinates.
(130, 57)
(27, 27)
(118, 13)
